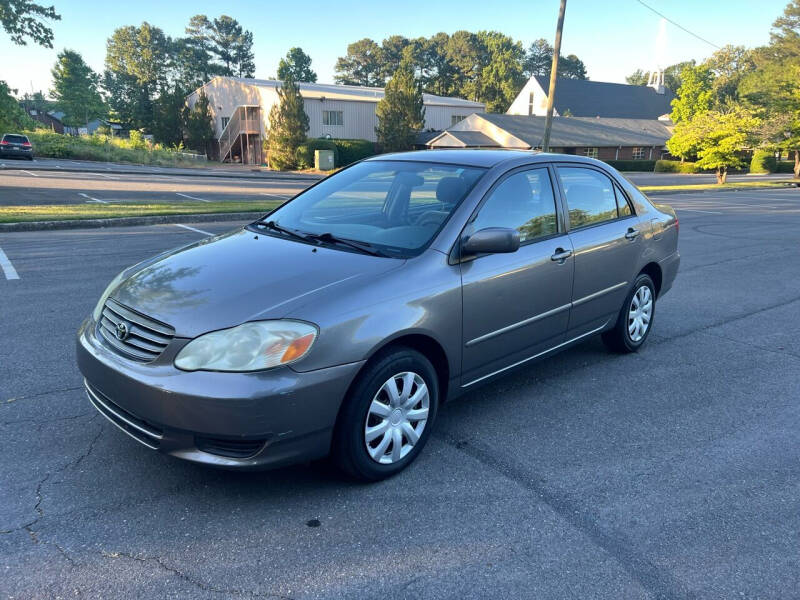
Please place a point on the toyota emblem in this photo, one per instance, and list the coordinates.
(122, 331)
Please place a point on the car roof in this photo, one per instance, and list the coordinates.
(481, 158)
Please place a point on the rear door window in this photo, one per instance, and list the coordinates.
(590, 196)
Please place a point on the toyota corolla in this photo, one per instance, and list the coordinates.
(342, 321)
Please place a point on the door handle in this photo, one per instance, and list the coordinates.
(632, 234)
(561, 255)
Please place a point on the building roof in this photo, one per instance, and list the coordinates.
(465, 139)
(582, 131)
(585, 98)
(354, 92)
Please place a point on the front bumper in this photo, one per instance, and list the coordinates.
(233, 420)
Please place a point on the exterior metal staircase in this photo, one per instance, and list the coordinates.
(242, 136)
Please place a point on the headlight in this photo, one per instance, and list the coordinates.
(249, 347)
(98, 310)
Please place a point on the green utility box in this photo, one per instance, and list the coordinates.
(323, 160)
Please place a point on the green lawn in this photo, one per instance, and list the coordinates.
(699, 187)
(63, 212)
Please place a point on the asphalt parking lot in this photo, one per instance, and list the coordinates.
(672, 473)
(31, 187)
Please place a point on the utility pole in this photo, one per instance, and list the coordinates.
(551, 94)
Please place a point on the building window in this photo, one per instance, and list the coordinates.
(225, 122)
(530, 104)
(456, 118)
(590, 152)
(638, 153)
(332, 117)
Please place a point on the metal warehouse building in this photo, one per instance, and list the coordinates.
(240, 108)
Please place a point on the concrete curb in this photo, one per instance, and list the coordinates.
(272, 175)
(128, 221)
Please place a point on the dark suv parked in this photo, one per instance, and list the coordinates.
(16, 145)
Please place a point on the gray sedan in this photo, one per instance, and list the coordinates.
(342, 321)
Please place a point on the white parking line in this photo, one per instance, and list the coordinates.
(281, 196)
(8, 268)
(192, 197)
(708, 212)
(106, 176)
(193, 229)
(29, 173)
(90, 199)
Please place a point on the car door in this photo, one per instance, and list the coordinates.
(607, 245)
(516, 304)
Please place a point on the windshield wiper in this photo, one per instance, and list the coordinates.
(275, 227)
(329, 238)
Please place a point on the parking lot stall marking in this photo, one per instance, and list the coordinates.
(193, 229)
(90, 199)
(192, 197)
(29, 173)
(8, 269)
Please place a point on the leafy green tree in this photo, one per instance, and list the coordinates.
(224, 39)
(393, 51)
(696, 94)
(168, 124)
(75, 89)
(638, 77)
(501, 78)
(191, 64)
(297, 66)
(728, 66)
(37, 102)
(718, 139)
(199, 124)
(361, 65)
(137, 67)
(288, 124)
(12, 117)
(401, 114)
(773, 87)
(466, 54)
(538, 60)
(25, 19)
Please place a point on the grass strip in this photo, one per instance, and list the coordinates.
(699, 187)
(65, 212)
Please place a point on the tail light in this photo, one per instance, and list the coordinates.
(4, 143)
(677, 224)
(26, 144)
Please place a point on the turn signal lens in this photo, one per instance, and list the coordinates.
(298, 348)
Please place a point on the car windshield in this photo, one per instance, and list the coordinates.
(15, 139)
(392, 207)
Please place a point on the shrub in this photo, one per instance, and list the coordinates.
(632, 165)
(351, 151)
(305, 152)
(763, 161)
(784, 166)
(676, 166)
(103, 148)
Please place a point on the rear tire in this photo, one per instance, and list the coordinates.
(635, 319)
(393, 402)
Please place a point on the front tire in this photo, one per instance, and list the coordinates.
(387, 417)
(635, 319)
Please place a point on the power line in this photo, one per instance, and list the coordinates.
(678, 25)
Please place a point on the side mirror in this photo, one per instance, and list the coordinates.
(492, 240)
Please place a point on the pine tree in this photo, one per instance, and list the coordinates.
(400, 113)
(288, 123)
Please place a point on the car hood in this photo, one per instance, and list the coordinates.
(241, 276)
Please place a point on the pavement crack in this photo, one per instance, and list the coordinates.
(39, 394)
(656, 580)
(190, 580)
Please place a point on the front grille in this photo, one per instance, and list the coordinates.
(229, 448)
(137, 428)
(132, 334)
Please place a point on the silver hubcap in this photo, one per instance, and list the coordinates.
(640, 313)
(396, 417)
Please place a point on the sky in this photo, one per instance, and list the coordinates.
(612, 37)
